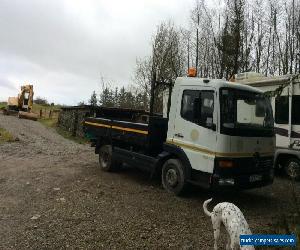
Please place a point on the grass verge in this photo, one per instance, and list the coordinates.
(5, 136)
(44, 107)
(2, 105)
(48, 122)
(68, 135)
(52, 123)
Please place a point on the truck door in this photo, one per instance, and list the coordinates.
(195, 126)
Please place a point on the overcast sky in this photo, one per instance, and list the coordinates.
(63, 47)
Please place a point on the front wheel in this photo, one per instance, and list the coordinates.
(292, 168)
(173, 176)
(106, 161)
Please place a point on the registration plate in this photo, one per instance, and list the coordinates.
(254, 178)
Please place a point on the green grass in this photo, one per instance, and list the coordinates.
(48, 122)
(37, 107)
(52, 123)
(68, 135)
(5, 136)
(2, 105)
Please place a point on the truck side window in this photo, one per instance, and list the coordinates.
(282, 110)
(198, 107)
(189, 98)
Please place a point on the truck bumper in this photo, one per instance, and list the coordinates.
(242, 181)
(246, 174)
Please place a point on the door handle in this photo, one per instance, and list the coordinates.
(179, 135)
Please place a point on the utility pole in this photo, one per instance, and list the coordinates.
(197, 42)
(153, 82)
(188, 51)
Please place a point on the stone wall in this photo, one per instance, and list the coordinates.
(71, 119)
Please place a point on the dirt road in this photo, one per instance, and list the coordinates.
(53, 196)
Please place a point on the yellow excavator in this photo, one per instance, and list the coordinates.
(22, 105)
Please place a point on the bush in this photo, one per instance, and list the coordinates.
(41, 101)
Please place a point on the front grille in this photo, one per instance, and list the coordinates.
(265, 163)
(245, 166)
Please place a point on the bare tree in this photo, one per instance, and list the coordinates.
(167, 61)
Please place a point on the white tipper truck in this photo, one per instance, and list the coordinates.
(214, 133)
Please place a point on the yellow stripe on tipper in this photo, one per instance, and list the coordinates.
(131, 130)
(145, 132)
(98, 124)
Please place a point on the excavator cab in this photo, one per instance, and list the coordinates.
(25, 106)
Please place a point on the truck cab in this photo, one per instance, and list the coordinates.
(225, 130)
(215, 134)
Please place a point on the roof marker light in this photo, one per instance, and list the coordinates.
(192, 72)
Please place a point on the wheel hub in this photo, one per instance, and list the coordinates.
(104, 158)
(171, 177)
(292, 169)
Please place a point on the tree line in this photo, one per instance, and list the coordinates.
(119, 98)
(234, 36)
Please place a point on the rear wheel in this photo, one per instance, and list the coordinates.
(106, 161)
(173, 176)
(292, 168)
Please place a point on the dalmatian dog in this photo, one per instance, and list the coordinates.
(234, 222)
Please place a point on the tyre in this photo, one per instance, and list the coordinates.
(174, 177)
(106, 161)
(292, 168)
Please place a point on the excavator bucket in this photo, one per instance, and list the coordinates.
(27, 115)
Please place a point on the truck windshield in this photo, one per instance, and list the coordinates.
(245, 113)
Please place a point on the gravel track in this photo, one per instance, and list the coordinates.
(53, 196)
